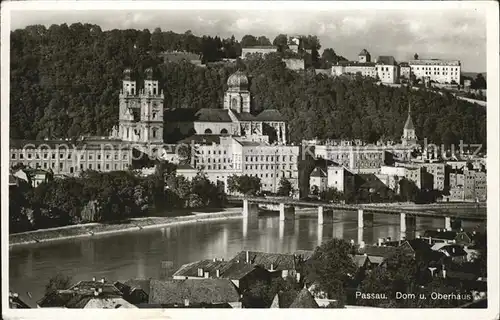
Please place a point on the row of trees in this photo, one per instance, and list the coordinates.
(251, 185)
(44, 61)
(106, 197)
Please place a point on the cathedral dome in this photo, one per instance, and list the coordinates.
(127, 74)
(238, 81)
(148, 73)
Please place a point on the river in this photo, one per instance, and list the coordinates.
(139, 254)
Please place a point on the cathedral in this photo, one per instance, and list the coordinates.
(141, 111)
(235, 118)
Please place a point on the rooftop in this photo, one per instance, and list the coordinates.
(197, 291)
(278, 261)
(270, 115)
(386, 60)
(304, 300)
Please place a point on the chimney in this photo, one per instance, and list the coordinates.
(380, 241)
(207, 275)
(103, 280)
(93, 279)
(186, 302)
(352, 241)
(247, 257)
(217, 273)
(96, 293)
(272, 267)
(430, 240)
(215, 259)
(361, 244)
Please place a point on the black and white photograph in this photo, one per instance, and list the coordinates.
(250, 155)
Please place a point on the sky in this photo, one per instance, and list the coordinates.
(443, 33)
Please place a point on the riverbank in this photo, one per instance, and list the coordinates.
(135, 224)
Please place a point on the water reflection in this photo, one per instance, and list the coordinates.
(139, 254)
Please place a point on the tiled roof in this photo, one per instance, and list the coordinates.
(261, 47)
(195, 290)
(445, 235)
(16, 303)
(363, 52)
(270, 115)
(138, 284)
(379, 251)
(356, 64)
(418, 244)
(304, 254)
(212, 115)
(454, 250)
(360, 259)
(304, 300)
(318, 172)
(279, 261)
(244, 116)
(386, 60)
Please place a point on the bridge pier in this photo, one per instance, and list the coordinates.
(282, 211)
(320, 215)
(447, 223)
(360, 235)
(360, 219)
(281, 229)
(402, 223)
(364, 217)
(249, 208)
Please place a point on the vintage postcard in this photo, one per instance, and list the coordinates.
(165, 156)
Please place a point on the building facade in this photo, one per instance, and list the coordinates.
(70, 158)
(442, 71)
(257, 49)
(141, 111)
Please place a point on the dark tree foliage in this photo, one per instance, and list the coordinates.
(285, 187)
(65, 81)
(108, 197)
(58, 282)
(245, 184)
(331, 268)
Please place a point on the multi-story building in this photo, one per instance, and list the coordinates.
(467, 185)
(394, 174)
(318, 179)
(245, 156)
(404, 70)
(386, 68)
(357, 159)
(71, 158)
(435, 171)
(254, 145)
(442, 71)
(340, 178)
(141, 111)
(258, 49)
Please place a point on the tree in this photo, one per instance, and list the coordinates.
(331, 267)
(245, 184)
(415, 56)
(281, 42)
(285, 187)
(249, 41)
(263, 41)
(58, 282)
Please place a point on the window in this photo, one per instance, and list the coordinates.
(108, 156)
(61, 156)
(61, 166)
(155, 132)
(90, 165)
(45, 165)
(107, 166)
(90, 157)
(53, 156)
(13, 156)
(81, 166)
(98, 166)
(29, 155)
(21, 156)
(116, 156)
(98, 157)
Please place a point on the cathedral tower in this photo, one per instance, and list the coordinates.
(141, 113)
(409, 137)
(152, 109)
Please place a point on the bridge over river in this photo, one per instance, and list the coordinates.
(286, 206)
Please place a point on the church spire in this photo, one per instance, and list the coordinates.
(409, 122)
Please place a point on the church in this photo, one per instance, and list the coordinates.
(235, 118)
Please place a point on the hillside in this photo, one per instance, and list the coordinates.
(65, 82)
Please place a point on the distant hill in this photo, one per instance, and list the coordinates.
(473, 74)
